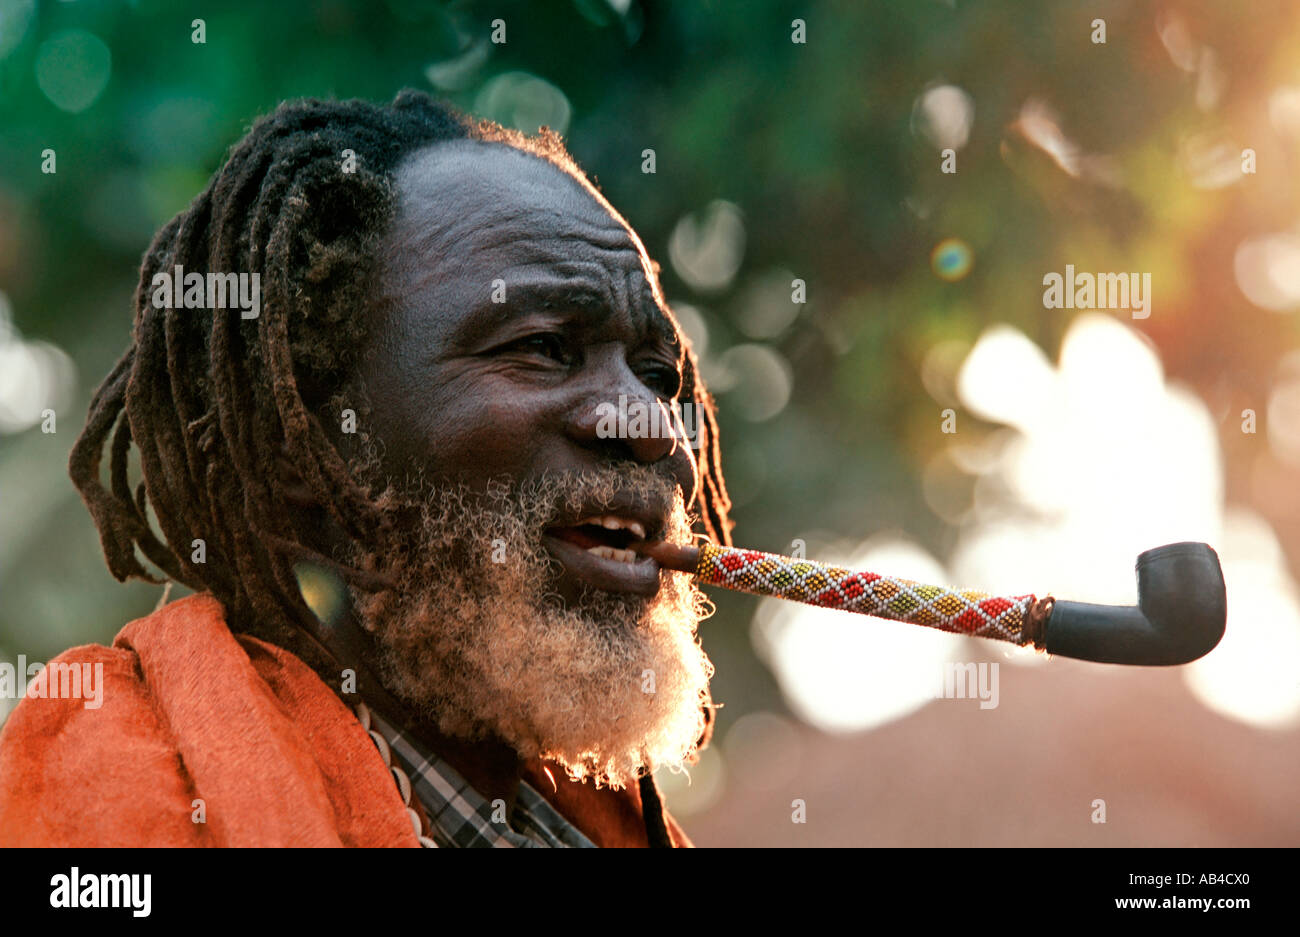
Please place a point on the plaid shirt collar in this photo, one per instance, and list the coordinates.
(461, 817)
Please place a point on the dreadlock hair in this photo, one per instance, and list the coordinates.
(209, 399)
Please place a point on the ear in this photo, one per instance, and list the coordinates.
(292, 486)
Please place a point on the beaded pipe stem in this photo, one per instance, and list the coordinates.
(1180, 614)
(1017, 618)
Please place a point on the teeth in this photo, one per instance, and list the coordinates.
(610, 522)
(609, 553)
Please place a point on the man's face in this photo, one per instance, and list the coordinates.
(513, 616)
(468, 387)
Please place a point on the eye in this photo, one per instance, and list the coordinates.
(663, 380)
(551, 345)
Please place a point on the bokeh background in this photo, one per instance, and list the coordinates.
(1081, 438)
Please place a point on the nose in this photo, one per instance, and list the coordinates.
(628, 425)
(621, 419)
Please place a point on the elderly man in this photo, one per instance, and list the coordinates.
(389, 483)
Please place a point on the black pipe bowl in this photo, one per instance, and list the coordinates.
(1180, 616)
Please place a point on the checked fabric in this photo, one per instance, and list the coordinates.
(963, 611)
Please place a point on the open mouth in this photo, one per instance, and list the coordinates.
(605, 536)
(593, 550)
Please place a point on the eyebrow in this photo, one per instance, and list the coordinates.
(570, 300)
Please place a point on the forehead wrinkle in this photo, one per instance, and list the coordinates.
(443, 241)
(649, 317)
(538, 226)
(634, 299)
(555, 255)
(483, 201)
(584, 281)
(488, 208)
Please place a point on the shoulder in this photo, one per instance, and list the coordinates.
(193, 736)
(86, 757)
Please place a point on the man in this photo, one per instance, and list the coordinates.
(393, 487)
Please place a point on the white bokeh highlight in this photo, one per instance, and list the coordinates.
(1101, 459)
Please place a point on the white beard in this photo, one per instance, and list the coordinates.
(476, 642)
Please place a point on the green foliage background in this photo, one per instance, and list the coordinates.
(816, 144)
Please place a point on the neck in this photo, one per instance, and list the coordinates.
(491, 765)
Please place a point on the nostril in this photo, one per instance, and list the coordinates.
(629, 428)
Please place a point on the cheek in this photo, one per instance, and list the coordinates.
(470, 434)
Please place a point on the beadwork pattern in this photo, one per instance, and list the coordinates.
(962, 611)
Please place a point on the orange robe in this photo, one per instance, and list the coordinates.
(197, 721)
